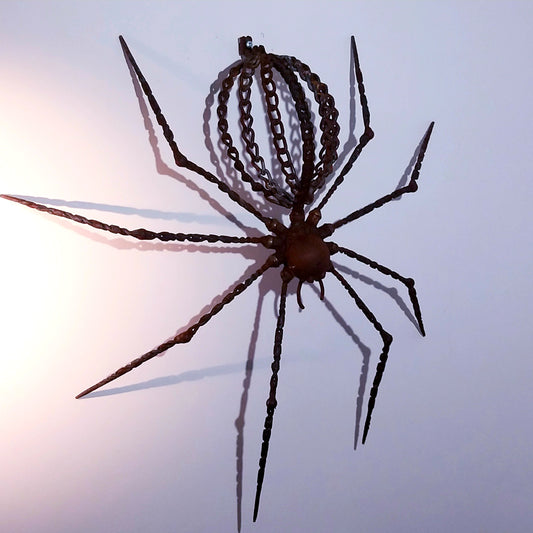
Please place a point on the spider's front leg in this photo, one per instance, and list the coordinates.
(386, 338)
(187, 335)
(271, 401)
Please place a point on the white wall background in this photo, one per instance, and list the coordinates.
(450, 446)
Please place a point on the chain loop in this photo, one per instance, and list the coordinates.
(314, 171)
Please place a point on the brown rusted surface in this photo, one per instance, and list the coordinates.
(303, 163)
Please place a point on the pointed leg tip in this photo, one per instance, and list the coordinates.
(123, 44)
(365, 432)
(84, 393)
(257, 500)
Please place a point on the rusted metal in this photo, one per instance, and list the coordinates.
(300, 249)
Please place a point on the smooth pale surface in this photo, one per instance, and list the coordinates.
(450, 445)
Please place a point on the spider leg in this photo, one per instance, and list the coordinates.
(387, 340)
(179, 158)
(367, 135)
(271, 401)
(141, 234)
(188, 334)
(328, 229)
(408, 282)
(299, 295)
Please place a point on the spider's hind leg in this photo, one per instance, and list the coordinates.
(367, 134)
(179, 158)
(387, 340)
(327, 229)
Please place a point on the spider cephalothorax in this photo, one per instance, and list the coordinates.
(302, 251)
(299, 248)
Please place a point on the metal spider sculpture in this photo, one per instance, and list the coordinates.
(300, 249)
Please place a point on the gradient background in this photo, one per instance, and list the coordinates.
(450, 446)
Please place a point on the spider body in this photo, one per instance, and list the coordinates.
(300, 249)
(307, 256)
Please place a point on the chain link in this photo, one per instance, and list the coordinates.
(267, 187)
(293, 72)
(328, 124)
(276, 125)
